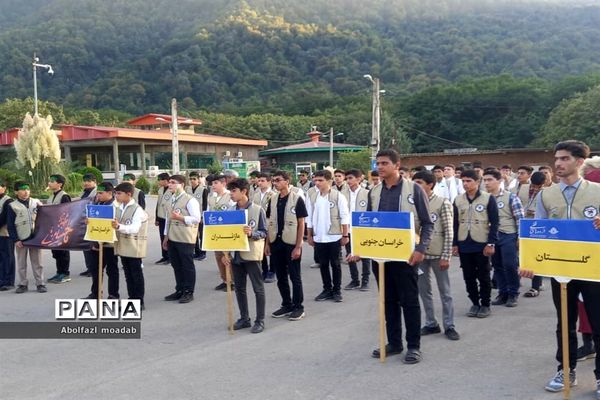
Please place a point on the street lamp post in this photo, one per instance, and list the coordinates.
(375, 138)
(35, 66)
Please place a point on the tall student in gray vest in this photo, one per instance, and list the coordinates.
(401, 288)
(162, 199)
(262, 197)
(7, 246)
(572, 198)
(138, 195)
(358, 197)
(538, 182)
(200, 193)
(181, 234)
(247, 263)
(505, 260)
(63, 257)
(131, 224)
(475, 236)
(437, 259)
(328, 223)
(104, 196)
(89, 192)
(286, 214)
(219, 200)
(521, 189)
(20, 218)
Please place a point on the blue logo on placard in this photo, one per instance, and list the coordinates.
(541, 232)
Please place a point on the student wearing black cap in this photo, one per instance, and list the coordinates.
(7, 246)
(56, 183)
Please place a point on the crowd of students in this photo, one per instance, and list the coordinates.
(470, 213)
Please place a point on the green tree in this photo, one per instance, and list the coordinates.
(355, 159)
(12, 112)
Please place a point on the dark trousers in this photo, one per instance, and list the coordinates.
(111, 264)
(241, 270)
(63, 259)
(536, 282)
(182, 260)
(265, 266)
(476, 267)
(401, 294)
(198, 248)
(281, 261)
(161, 230)
(590, 291)
(329, 253)
(134, 277)
(506, 265)
(7, 262)
(366, 267)
(88, 258)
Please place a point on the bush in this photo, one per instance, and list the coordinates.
(143, 184)
(154, 188)
(9, 178)
(74, 183)
(91, 170)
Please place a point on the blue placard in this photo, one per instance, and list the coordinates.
(559, 229)
(225, 217)
(100, 211)
(381, 219)
(373, 165)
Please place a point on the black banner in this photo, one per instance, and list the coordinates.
(60, 227)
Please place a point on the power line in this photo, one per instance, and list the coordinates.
(434, 136)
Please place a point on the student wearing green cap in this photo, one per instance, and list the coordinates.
(7, 246)
(138, 195)
(89, 192)
(20, 218)
(56, 183)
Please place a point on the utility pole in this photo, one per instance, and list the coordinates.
(175, 140)
(331, 147)
(375, 142)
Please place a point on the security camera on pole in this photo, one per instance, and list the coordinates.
(35, 66)
(375, 140)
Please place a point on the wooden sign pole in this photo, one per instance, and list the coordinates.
(229, 299)
(100, 272)
(382, 332)
(564, 314)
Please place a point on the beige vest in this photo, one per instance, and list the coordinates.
(56, 199)
(362, 199)
(290, 221)
(304, 187)
(178, 231)
(197, 194)
(24, 217)
(506, 219)
(256, 247)
(334, 211)
(407, 202)
(131, 245)
(473, 217)
(164, 197)
(522, 192)
(221, 205)
(436, 245)
(585, 203)
(265, 200)
(345, 190)
(4, 229)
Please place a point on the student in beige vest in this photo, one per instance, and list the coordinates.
(286, 214)
(262, 197)
(505, 260)
(7, 246)
(138, 195)
(521, 189)
(547, 170)
(181, 234)
(358, 199)
(20, 218)
(475, 236)
(89, 192)
(303, 182)
(110, 262)
(131, 224)
(437, 259)
(247, 263)
(63, 257)
(200, 193)
(572, 198)
(219, 200)
(162, 198)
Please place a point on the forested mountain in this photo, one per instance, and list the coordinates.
(299, 58)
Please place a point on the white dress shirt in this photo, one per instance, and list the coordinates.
(192, 207)
(319, 219)
(139, 216)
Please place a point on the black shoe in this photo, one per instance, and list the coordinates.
(364, 287)
(296, 315)
(512, 301)
(163, 261)
(430, 330)
(21, 289)
(282, 312)
(186, 297)
(174, 296)
(6, 287)
(389, 351)
(241, 324)
(352, 285)
(200, 257)
(90, 296)
(585, 352)
(473, 311)
(41, 289)
(258, 327)
(324, 295)
(337, 297)
(413, 356)
(500, 300)
(86, 273)
(221, 286)
(452, 334)
(112, 297)
(483, 312)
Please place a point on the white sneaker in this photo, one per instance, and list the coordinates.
(315, 265)
(557, 384)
